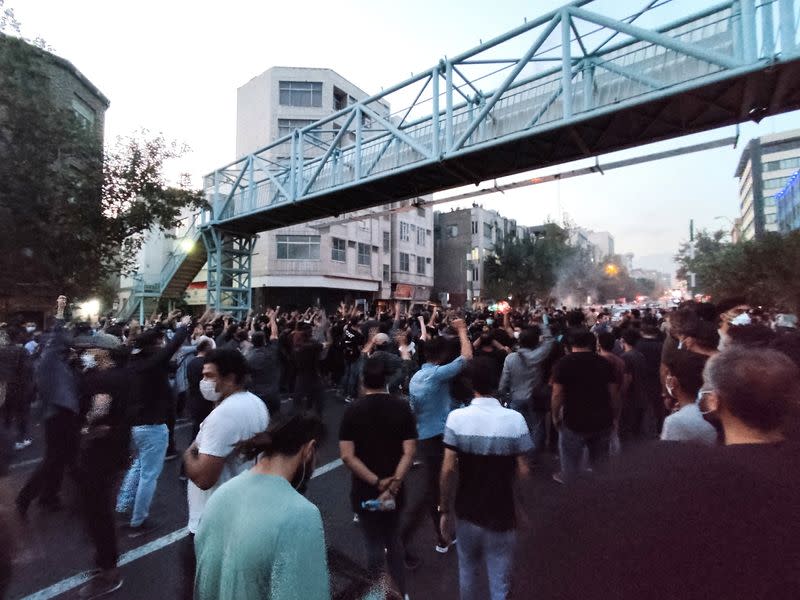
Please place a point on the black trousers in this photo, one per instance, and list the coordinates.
(431, 453)
(101, 465)
(188, 567)
(309, 393)
(61, 434)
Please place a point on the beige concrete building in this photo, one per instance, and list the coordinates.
(378, 254)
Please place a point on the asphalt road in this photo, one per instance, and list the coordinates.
(54, 556)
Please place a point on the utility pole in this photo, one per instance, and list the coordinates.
(692, 282)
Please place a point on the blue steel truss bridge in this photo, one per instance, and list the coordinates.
(571, 84)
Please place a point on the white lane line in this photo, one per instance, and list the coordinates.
(70, 583)
(34, 461)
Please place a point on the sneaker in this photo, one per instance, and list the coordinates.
(411, 562)
(102, 584)
(443, 548)
(146, 527)
(355, 518)
(557, 477)
(348, 399)
(23, 444)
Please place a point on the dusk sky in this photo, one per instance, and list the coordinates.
(174, 67)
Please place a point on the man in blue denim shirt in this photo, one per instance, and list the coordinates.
(429, 390)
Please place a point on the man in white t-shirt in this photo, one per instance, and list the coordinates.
(211, 460)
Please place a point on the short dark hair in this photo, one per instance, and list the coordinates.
(631, 336)
(483, 375)
(259, 339)
(285, 436)
(580, 337)
(760, 387)
(373, 374)
(606, 341)
(529, 337)
(687, 368)
(228, 361)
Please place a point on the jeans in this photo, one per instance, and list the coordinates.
(383, 545)
(477, 547)
(139, 486)
(571, 445)
(536, 423)
(352, 371)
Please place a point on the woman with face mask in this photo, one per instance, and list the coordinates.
(684, 378)
(259, 537)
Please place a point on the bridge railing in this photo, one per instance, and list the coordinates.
(565, 66)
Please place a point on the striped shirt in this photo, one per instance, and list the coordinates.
(487, 438)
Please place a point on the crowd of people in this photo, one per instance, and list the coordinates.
(475, 398)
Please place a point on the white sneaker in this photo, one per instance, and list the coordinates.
(444, 549)
(355, 518)
(23, 444)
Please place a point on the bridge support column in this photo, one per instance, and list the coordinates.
(229, 271)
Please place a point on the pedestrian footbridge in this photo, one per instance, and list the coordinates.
(574, 83)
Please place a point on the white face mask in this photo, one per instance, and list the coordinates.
(88, 361)
(516, 335)
(208, 390)
(30, 329)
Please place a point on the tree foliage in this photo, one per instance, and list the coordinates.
(71, 214)
(763, 270)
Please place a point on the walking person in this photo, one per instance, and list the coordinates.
(582, 404)
(431, 400)
(485, 446)
(57, 386)
(152, 395)
(377, 441)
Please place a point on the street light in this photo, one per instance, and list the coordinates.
(611, 270)
(187, 245)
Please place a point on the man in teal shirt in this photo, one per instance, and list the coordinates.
(259, 537)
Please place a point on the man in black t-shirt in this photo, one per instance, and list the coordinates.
(377, 441)
(353, 341)
(583, 388)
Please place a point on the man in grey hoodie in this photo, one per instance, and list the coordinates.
(524, 378)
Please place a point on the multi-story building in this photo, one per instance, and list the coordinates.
(70, 89)
(764, 168)
(602, 242)
(382, 254)
(788, 204)
(463, 240)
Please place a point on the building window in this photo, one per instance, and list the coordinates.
(85, 113)
(298, 247)
(474, 227)
(339, 250)
(386, 274)
(452, 230)
(487, 231)
(405, 232)
(404, 263)
(420, 237)
(364, 254)
(287, 126)
(421, 211)
(339, 99)
(300, 93)
(421, 265)
(475, 274)
(386, 241)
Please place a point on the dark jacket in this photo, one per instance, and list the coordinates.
(149, 376)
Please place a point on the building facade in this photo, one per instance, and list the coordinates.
(69, 89)
(463, 240)
(380, 254)
(764, 168)
(787, 202)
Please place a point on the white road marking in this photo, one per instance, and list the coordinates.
(70, 583)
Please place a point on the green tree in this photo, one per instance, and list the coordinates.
(764, 270)
(71, 215)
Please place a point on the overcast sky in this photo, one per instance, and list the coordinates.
(173, 66)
